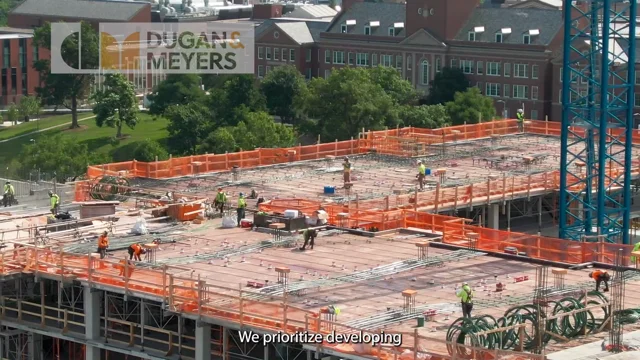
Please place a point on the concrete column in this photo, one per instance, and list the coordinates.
(92, 321)
(494, 217)
(203, 341)
(35, 346)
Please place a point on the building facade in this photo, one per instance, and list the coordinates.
(507, 52)
(17, 76)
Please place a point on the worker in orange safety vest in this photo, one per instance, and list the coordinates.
(103, 244)
(135, 250)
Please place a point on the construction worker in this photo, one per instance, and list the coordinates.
(601, 276)
(9, 193)
(242, 205)
(309, 238)
(103, 244)
(55, 202)
(135, 250)
(466, 298)
(520, 117)
(346, 168)
(125, 264)
(422, 170)
(636, 247)
(220, 201)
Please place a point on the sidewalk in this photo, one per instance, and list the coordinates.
(45, 129)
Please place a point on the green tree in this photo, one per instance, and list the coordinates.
(470, 106)
(149, 150)
(425, 116)
(219, 142)
(116, 105)
(285, 91)
(446, 84)
(188, 125)
(238, 91)
(67, 89)
(29, 106)
(63, 155)
(176, 89)
(347, 101)
(258, 130)
(401, 91)
(13, 114)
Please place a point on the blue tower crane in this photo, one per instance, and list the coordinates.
(598, 82)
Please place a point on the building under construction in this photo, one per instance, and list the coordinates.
(386, 266)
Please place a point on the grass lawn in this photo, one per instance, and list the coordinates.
(99, 140)
(49, 121)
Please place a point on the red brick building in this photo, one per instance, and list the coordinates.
(17, 75)
(505, 51)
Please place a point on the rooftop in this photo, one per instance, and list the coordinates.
(81, 9)
(362, 14)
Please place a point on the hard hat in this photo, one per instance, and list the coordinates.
(520, 110)
(346, 158)
(419, 161)
(219, 189)
(465, 283)
(241, 194)
(50, 192)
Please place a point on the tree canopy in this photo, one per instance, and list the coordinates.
(285, 91)
(401, 91)
(470, 106)
(425, 116)
(446, 84)
(188, 125)
(237, 92)
(116, 104)
(176, 89)
(67, 89)
(347, 101)
(29, 106)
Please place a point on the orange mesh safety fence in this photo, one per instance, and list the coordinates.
(279, 206)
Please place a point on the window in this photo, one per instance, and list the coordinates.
(534, 71)
(454, 63)
(338, 57)
(526, 39)
(292, 54)
(308, 74)
(438, 64)
(562, 74)
(471, 36)
(268, 57)
(534, 115)
(284, 55)
(520, 92)
(560, 97)
(493, 68)
(636, 98)
(392, 31)
(499, 37)
(327, 73)
(3, 75)
(6, 54)
(505, 90)
(327, 56)
(24, 83)
(374, 59)
(367, 30)
(267, 69)
(520, 70)
(308, 57)
(260, 52)
(480, 67)
(352, 58)
(534, 93)
(424, 69)
(492, 89)
(22, 51)
(408, 62)
(466, 66)
(399, 62)
(386, 60)
(276, 54)
(14, 80)
(343, 28)
(362, 59)
(36, 53)
(507, 70)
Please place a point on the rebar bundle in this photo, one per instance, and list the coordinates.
(479, 330)
(111, 188)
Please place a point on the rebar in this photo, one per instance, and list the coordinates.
(617, 304)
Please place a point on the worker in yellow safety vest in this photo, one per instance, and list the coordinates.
(55, 202)
(242, 205)
(220, 201)
(422, 170)
(466, 298)
(636, 247)
(9, 193)
(520, 117)
(346, 170)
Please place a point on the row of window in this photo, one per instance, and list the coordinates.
(368, 30)
(14, 81)
(278, 54)
(500, 37)
(493, 68)
(22, 51)
(514, 91)
(366, 59)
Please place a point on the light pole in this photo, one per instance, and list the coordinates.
(504, 108)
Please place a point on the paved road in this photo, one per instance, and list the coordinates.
(45, 129)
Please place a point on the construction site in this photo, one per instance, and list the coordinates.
(380, 281)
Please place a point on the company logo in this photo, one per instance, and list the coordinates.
(163, 48)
